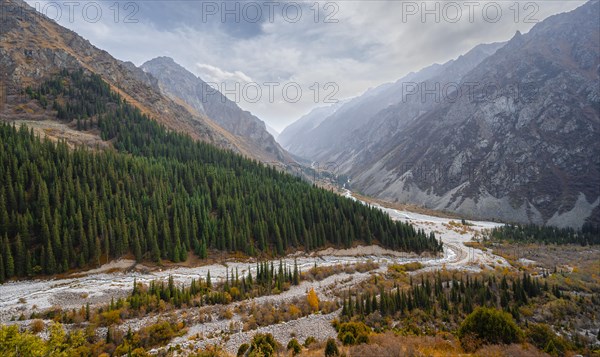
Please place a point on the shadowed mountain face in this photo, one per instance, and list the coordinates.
(514, 137)
(34, 48)
(180, 84)
(340, 132)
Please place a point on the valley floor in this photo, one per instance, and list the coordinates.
(115, 279)
(226, 326)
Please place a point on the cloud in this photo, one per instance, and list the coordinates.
(211, 73)
(353, 44)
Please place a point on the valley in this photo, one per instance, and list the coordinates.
(116, 279)
(155, 201)
(226, 327)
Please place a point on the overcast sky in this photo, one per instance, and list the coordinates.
(279, 48)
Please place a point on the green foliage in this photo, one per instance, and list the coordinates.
(490, 326)
(159, 334)
(16, 343)
(353, 333)
(588, 234)
(309, 341)
(294, 346)
(407, 267)
(456, 296)
(199, 292)
(242, 350)
(263, 345)
(542, 336)
(331, 348)
(159, 195)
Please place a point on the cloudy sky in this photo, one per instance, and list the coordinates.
(280, 59)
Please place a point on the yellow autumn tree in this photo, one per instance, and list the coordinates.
(313, 300)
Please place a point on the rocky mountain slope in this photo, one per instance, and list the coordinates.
(342, 134)
(518, 141)
(34, 48)
(505, 131)
(180, 84)
(292, 138)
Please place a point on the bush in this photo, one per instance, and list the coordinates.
(158, 334)
(309, 341)
(294, 346)
(353, 333)
(37, 326)
(263, 345)
(488, 326)
(542, 336)
(403, 268)
(331, 348)
(243, 348)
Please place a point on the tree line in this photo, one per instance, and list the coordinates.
(456, 297)
(234, 287)
(589, 234)
(159, 195)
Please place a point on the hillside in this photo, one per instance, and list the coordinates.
(507, 132)
(160, 195)
(33, 48)
(340, 132)
(522, 147)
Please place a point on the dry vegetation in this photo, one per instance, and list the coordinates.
(318, 273)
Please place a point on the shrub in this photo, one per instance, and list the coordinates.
(109, 318)
(488, 326)
(158, 334)
(294, 346)
(263, 345)
(542, 336)
(407, 267)
(37, 326)
(331, 348)
(353, 333)
(243, 348)
(309, 341)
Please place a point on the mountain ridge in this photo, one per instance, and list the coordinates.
(34, 48)
(527, 148)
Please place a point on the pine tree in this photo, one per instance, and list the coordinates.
(2, 274)
(9, 267)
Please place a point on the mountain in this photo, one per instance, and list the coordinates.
(139, 186)
(292, 137)
(272, 131)
(158, 195)
(519, 145)
(34, 48)
(338, 136)
(180, 84)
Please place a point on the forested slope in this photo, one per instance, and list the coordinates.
(158, 195)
